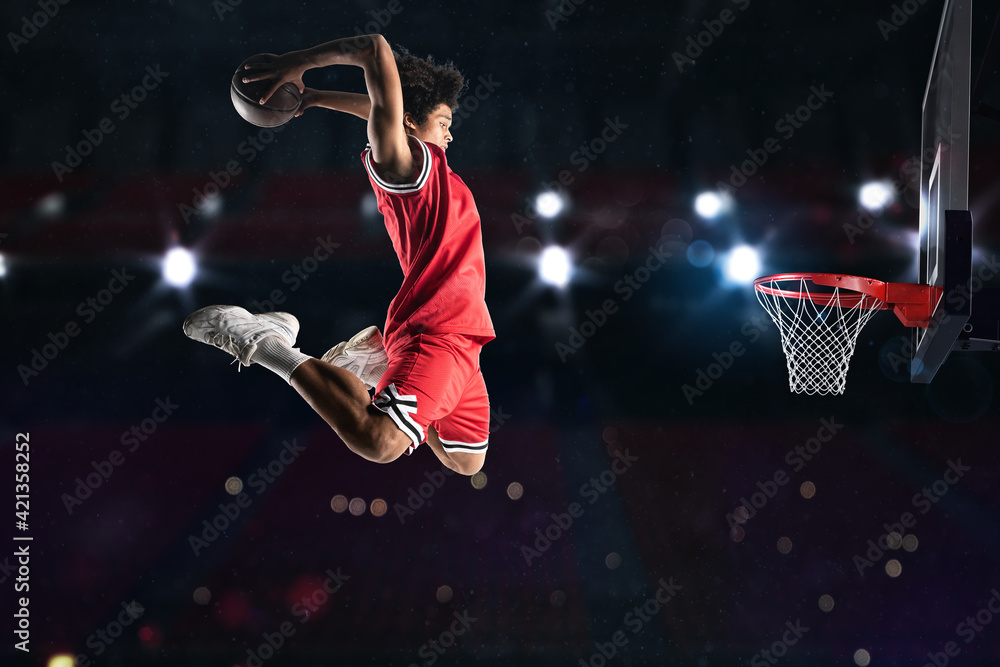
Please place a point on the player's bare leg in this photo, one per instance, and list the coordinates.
(337, 395)
(341, 399)
(464, 463)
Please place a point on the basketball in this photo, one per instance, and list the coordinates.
(279, 109)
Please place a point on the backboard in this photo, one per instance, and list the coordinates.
(945, 222)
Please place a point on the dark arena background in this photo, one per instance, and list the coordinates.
(653, 495)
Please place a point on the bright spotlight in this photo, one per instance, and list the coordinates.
(179, 267)
(710, 204)
(3, 266)
(554, 267)
(549, 204)
(742, 265)
(875, 196)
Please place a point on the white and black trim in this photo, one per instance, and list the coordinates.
(470, 447)
(400, 188)
(401, 409)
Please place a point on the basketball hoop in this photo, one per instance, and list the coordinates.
(820, 316)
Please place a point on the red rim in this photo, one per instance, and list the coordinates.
(868, 292)
(913, 304)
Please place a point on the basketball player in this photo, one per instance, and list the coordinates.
(425, 372)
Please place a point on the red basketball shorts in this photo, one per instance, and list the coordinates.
(435, 380)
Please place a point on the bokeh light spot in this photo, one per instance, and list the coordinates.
(234, 485)
(357, 506)
(202, 595)
(338, 503)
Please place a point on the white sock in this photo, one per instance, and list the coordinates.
(275, 355)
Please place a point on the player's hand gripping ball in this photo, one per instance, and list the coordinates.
(278, 110)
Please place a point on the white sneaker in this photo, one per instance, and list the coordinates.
(364, 355)
(238, 331)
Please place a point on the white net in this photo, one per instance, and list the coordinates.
(819, 330)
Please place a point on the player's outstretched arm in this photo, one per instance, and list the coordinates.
(390, 148)
(356, 104)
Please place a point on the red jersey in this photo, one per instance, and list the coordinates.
(435, 229)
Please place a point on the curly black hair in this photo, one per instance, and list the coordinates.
(427, 84)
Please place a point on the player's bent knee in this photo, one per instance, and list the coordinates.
(379, 450)
(386, 448)
(377, 440)
(467, 464)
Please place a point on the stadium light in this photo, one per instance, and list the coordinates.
(742, 265)
(549, 204)
(709, 205)
(876, 195)
(554, 267)
(179, 267)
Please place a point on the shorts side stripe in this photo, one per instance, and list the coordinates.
(457, 446)
(399, 408)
